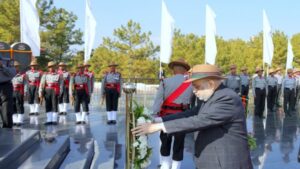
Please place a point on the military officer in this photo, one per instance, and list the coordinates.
(64, 98)
(33, 77)
(91, 76)
(279, 77)
(111, 90)
(7, 72)
(245, 81)
(259, 86)
(289, 92)
(20, 89)
(80, 89)
(297, 76)
(173, 96)
(272, 83)
(51, 87)
(233, 80)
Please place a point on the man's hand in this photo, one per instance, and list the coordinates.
(41, 100)
(147, 128)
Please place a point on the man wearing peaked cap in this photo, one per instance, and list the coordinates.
(221, 109)
(173, 97)
(111, 91)
(259, 87)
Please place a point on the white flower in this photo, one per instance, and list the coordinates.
(147, 112)
(135, 144)
(146, 163)
(141, 120)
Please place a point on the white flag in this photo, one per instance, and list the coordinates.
(268, 47)
(90, 31)
(290, 56)
(167, 30)
(210, 36)
(30, 25)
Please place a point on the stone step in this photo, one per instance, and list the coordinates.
(81, 154)
(16, 145)
(105, 158)
(50, 153)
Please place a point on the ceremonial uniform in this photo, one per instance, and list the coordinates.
(33, 78)
(91, 76)
(245, 81)
(7, 72)
(64, 97)
(259, 85)
(51, 87)
(289, 91)
(80, 90)
(279, 87)
(297, 76)
(272, 83)
(173, 96)
(233, 82)
(19, 88)
(111, 90)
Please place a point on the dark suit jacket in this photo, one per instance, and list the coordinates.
(222, 139)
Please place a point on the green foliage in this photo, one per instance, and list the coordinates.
(251, 142)
(57, 28)
(131, 48)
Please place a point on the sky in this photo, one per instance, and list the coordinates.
(234, 18)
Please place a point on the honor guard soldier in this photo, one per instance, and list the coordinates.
(297, 76)
(272, 83)
(259, 85)
(51, 87)
(20, 89)
(80, 89)
(233, 80)
(64, 98)
(111, 90)
(91, 76)
(173, 96)
(7, 72)
(279, 77)
(33, 77)
(289, 92)
(245, 82)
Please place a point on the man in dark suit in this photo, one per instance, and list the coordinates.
(221, 142)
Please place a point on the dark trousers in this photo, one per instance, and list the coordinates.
(272, 90)
(6, 104)
(289, 100)
(81, 98)
(297, 94)
(51, 100)
(259, 101)
(33, 96)
(278, 94)
(245, 90)
(112, 98)
(64, 97)
(178, 145)
(18, 102)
